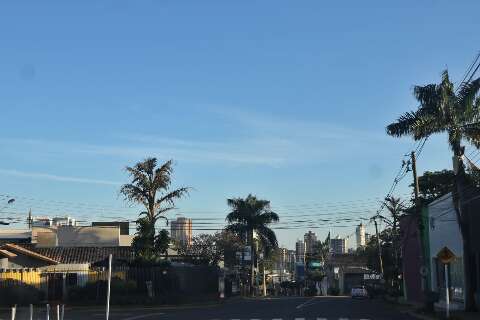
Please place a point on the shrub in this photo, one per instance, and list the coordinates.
(19, 293)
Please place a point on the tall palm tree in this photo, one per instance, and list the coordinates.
(442, 110)
(150, 187)
(251, 216)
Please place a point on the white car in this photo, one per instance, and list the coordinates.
(359, 292)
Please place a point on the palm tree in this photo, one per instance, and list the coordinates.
(150, 187)
(442, 110)
(249, 216)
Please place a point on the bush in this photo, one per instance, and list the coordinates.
(20, 293)
(332, 291)
(310, 291)
(97, 291)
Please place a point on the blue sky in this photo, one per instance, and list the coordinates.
(287, 100)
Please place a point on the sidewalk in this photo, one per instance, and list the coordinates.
(417, 312)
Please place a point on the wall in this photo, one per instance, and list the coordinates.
(70, 236)
(88, 236)
(411, 256)
(445, 232)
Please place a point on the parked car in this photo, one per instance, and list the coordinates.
(359, 292)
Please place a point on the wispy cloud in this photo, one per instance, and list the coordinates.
(46, 176)
(258, 140)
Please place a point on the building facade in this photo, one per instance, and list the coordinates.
(338, 245)
(360, 236)
(300, 251)
(181, 231)
(310, 239)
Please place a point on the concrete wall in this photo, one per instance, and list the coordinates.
(69, 236)
(411, 253)
(445, 232)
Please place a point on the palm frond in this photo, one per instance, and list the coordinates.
(466, 100)
(172, 196)
(471, 133)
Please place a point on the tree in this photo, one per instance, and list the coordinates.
(150, 187)
(442, 110)
(210, 249)
(395, 208)
(249, 216)
(433, 185)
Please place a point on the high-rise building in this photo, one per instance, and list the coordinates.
(360, 233)
(310, 239)
(300, 251)
(291, 261)
(338, 245)
(181, 231)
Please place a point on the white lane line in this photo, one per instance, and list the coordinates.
(144, 316)
(305, 303)
(321, 318)
(299, 318)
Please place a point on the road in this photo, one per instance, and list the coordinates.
(317, 308)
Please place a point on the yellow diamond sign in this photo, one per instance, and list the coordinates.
(446, 255)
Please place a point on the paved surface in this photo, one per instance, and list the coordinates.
(317, 308)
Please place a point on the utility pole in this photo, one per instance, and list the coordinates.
(379, 245)
(415, 180)
(418, 215)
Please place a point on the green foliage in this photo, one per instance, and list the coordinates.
(148, 245)
(211, 249)
(251, 215)
(332, 291)
(19, 293)
(150, 187)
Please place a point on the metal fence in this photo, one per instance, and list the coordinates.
(129, 284)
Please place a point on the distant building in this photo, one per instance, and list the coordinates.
(310, 239)
(338, 245)
(291, 261)
(360, 234)
(181, 231)
(52, 222)
(300, 251)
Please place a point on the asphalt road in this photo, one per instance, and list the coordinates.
(317, 308)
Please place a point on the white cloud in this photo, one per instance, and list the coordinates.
(46, 176)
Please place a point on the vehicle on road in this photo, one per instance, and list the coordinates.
(359, 292)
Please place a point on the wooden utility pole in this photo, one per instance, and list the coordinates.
(418, 215)
(415, 180)
(379, 245)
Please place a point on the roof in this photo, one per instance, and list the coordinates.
(85, 254)
(18, 249)
(7, 253)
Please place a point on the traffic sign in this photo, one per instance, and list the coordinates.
(446, 255)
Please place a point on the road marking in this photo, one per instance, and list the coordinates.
(306, 303)
(299, 318)
(144, 316)
(321, 318)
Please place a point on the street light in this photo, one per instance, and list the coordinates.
(9, 202)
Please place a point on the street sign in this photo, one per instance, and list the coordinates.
(446, 255)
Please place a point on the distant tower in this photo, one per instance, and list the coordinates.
(29, 219)
(181, 231)
(360, 232)
(310, 239)
(300, 251)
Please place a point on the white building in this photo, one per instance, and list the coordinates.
(444, 232)
(360, 235)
